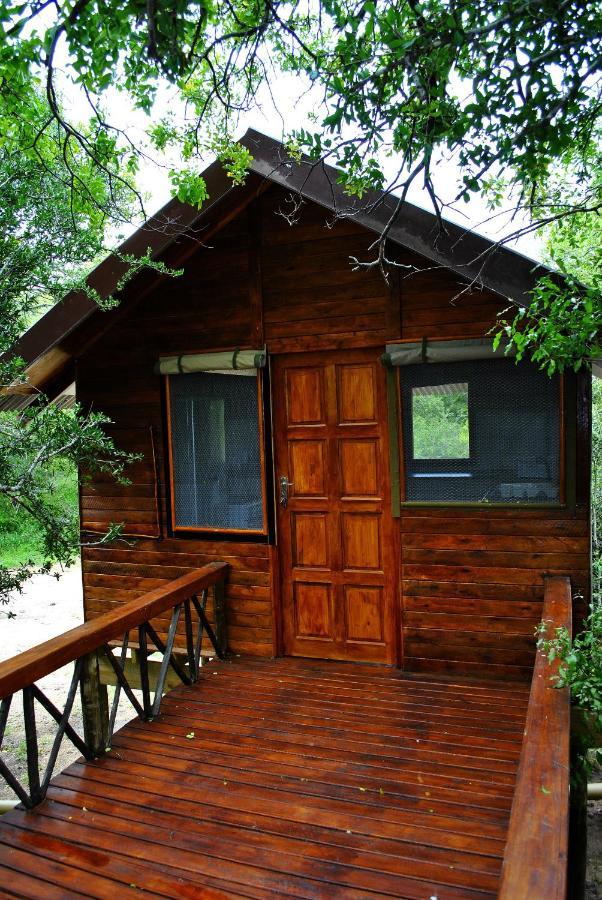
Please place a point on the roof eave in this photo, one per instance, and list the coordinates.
(473, 258)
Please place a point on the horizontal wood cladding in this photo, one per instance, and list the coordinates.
(472, 585)
(114, 574)
(313, 296)
(471, 578)
(116, 376)
(316, 297)
(436, 304)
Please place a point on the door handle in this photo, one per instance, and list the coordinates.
(285, 484)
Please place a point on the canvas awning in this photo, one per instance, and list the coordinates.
(224, 361)
(426, 351)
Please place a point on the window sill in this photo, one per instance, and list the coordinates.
(240, 536)
(480, 504)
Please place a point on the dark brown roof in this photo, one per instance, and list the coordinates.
(469, 255)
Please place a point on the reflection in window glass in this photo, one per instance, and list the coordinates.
(440, 421)
(217, 480)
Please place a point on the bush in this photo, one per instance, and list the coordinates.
(21, 537)
(580, 669)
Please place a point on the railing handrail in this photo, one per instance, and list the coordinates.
(535, 858)
(25, 668)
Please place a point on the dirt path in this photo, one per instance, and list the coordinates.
(48, 606)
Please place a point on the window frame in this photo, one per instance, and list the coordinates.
(437, 463)
(209, 532)
(566, 447)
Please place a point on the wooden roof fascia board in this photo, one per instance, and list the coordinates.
(42, 370)
(112, 317)
(77, 312)
(76, 307)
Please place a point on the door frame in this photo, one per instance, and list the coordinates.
(276, 556)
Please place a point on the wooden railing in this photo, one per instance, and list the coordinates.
(535, 859)
(90, 644)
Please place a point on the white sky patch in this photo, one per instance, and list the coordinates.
(285, 105)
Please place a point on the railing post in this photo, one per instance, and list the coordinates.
(95, 706)
(219, 613)
(31, 739)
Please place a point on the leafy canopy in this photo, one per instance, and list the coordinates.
(561, 327)
(507, 88)
(49, 235)
(575, 244)
(506, 85)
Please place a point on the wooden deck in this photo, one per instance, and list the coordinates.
(273, 778)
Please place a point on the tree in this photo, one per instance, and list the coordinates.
(49, 234)
(504, 87)
(508, 84)
(562, 325)
(576, 244)
(597, 491)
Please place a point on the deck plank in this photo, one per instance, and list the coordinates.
(303, 779)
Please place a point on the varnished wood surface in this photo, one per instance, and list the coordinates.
(190, 310)
(470, 580)
(25, 668)
(473, 584)
(535, 861)
(285, 778)
(336, 546)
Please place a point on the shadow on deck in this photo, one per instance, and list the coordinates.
(285, 778)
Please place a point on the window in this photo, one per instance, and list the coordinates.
(480, 431)
(215, 451)
(440, 421)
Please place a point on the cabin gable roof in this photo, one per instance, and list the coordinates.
(50, 346)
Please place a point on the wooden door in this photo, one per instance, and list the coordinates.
(335, 535)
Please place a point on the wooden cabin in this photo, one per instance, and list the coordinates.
(280, 400)
(383, 507)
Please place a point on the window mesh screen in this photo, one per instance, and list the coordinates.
(480, 431)
(215, 448)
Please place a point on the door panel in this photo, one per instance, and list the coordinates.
(313, 610)
(359, 469)
(356, 394)
(364, 613)
(335, 535)
(305, 397)
(308, 468)
(361, 541)
(309, 540)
